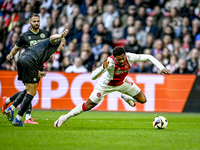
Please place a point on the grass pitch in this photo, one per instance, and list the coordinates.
(102, 131)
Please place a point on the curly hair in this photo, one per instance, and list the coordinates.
(118, 51)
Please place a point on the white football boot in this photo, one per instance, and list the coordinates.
(129, 101)
(60, 121)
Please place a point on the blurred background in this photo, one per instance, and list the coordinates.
(167, 29)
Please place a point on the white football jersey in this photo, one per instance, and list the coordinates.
(114, 75)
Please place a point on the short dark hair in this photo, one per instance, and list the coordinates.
(118, 51)
(33, 15)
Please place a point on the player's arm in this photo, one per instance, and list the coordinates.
(54, 38)
(145, 57)
(12, 53)
(98, 71)
(17, 47)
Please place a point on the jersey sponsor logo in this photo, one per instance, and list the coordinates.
(42, 35)
(33, 42)
(118, 71)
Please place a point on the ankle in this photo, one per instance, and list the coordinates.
(13, 107)
(28, 116)
(19, 117)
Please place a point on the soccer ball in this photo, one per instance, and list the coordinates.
(160, 122)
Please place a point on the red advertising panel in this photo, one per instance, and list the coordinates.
(59, 90)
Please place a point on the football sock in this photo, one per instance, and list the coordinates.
(25, 103)
(28, 111)
(12, 98)
(28, 116)
(8, 100)
(13, 107)
(19, 98)
(19, 117)
(76, 111)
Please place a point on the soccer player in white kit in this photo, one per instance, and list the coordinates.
(114, 71)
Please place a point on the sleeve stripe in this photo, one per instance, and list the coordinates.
(17, 46)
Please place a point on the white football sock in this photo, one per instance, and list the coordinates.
(8, 100)
(28, 116)
(19, 117)
(76, 111)
(127, 98)
(13, 107)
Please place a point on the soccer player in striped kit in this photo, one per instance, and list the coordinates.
(114, 71)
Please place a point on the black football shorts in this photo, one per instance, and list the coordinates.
(27, 69)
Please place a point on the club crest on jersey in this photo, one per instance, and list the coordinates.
(126, 66)
(42, 35)
(98, 94)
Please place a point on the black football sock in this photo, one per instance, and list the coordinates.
(19, 98)
(12, 98)
(25, 103)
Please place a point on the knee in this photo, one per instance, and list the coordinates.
(33, 93)
(143, 99)
(89, 105)
(88, 108)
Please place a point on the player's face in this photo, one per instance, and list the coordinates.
(35, 23)
(61, 46)
(120, 59)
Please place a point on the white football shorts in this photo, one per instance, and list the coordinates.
(100, 91)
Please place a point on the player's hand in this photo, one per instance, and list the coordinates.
(105, 63)
(65, 32)
(41, 74)
(9, 57)
(165, 71)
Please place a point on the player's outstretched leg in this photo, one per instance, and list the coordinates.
(130, 100)
(10, 111)
(74, 112)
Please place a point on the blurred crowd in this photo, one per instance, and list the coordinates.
(167, 29)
